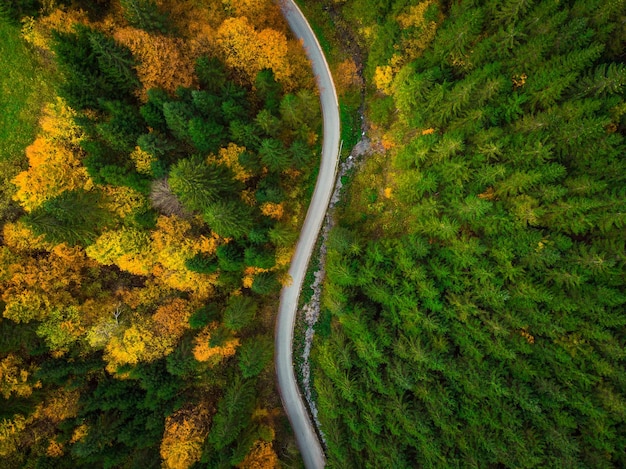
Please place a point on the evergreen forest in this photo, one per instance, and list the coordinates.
(146, 230)
(474, 304)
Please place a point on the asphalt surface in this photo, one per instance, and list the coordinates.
(308, 442)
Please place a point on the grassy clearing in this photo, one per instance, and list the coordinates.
(25, 85)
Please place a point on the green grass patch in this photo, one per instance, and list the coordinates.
(25, 85)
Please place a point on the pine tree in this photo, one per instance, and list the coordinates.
(228, 218)
(74, 217)
(239, 312)
(254, 355)
(198, 184)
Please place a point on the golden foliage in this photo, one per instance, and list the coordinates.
(170, 242)
(164, 62)
(123, 200)
(34, 286)
(419, 34)
(14, 377)
(79, 433)
(143, 161)
(262, 13)
(39, 33)
(273, 210)
(284, 278)
(58, 124)
(347, 76)
(60, 404)
(19, 237)
(203, 352)
(519, 80)
(138, 343)
(247, 50)
(147, 297)
(128, 248)
(489, 194)
(414, 17)
(247, 196)
(383, 78)
(206, 245)
(229, 156)
(54, 449)
(529, 338)
(171, 319)
(185, 431)
(10, 432)
(53, 169)
(262, 456)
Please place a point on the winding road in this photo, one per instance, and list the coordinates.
(308, 442)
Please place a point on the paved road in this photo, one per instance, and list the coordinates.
(309, 445)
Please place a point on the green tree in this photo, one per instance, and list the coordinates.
(211, 73)
(145, 14)
(254, 355)
(274, 155)
(198, 184)
(233, 413)
(239, 312)
(74, 217)
(228, 218)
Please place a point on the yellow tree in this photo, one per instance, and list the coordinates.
(262, 456)
(262, 13)
(53, 169)
(173, 244)
(204, 352)
(184, 435)
(229, 156)
(14, 376)
(164, 62)
(172, 318)
(138, 343)
(247, 50)
(34, 286)
(128, 248)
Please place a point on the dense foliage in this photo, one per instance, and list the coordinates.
(476, 281)
(157, 212)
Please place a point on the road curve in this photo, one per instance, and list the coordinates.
(310, 447)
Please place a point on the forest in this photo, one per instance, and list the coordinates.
(474, 302)
(146, 230)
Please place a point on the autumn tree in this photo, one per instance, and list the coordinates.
(261, 456)
(14, 377)
(163, 62)
(185, 431)
(205, 352)
(53, 169)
